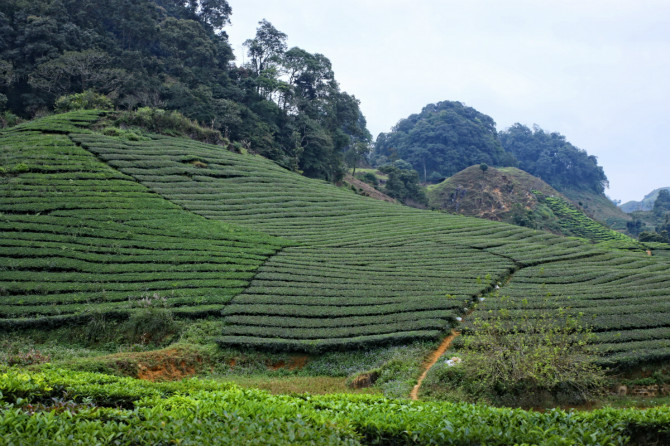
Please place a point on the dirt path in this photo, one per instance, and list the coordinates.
(430, 362)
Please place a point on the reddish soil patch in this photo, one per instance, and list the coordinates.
(166, 371)
(277, 365)
(167, 365)
(298, 362)
(159, 365)
(295, 363)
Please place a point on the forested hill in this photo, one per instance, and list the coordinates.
(443, 139)
(447, 137)
(284, 103)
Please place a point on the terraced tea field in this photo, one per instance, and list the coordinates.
(625, 298)
(79, 237)
(335, 270)
(358, 273)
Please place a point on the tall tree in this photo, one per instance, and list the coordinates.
(266, 48)
(215, 13)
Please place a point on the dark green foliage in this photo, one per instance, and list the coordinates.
(634, 227)
(403, 184)
(443, 139)
(152, 322)
(59, 406)
(9, 119)
(551, 157)
(356, 155)
(659, 237)
(523, 217)
(173, 54)
(370, 178)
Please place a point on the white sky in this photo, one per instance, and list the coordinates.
(597, 71)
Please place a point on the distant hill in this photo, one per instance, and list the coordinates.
(494, 194)
(514, 196)
(646, 204)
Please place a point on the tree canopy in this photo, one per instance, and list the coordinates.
(403, 184)
(284, 103)
(551, 157)
(443, 139)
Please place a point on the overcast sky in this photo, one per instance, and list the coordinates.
(597, 71)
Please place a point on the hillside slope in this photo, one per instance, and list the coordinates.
(354, 271)
(514, 196)
(496, 194)
(599, 207)
(79, 238)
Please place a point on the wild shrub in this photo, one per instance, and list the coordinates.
(538, 359)
(88, 100)
(152, 323)
(98, 328)
(370, 178)
(9, 119)
(171, 123)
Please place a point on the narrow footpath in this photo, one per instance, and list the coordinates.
(430, 362)
(446, 342)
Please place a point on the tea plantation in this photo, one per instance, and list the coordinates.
(79, 238)
(95, 223)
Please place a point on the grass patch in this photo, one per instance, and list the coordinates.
(318, 385)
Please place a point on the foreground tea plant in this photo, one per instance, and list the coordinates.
(57, 407)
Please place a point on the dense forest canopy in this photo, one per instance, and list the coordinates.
(551, 157)
(448, 137)
(284, 104)
(443, 139)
